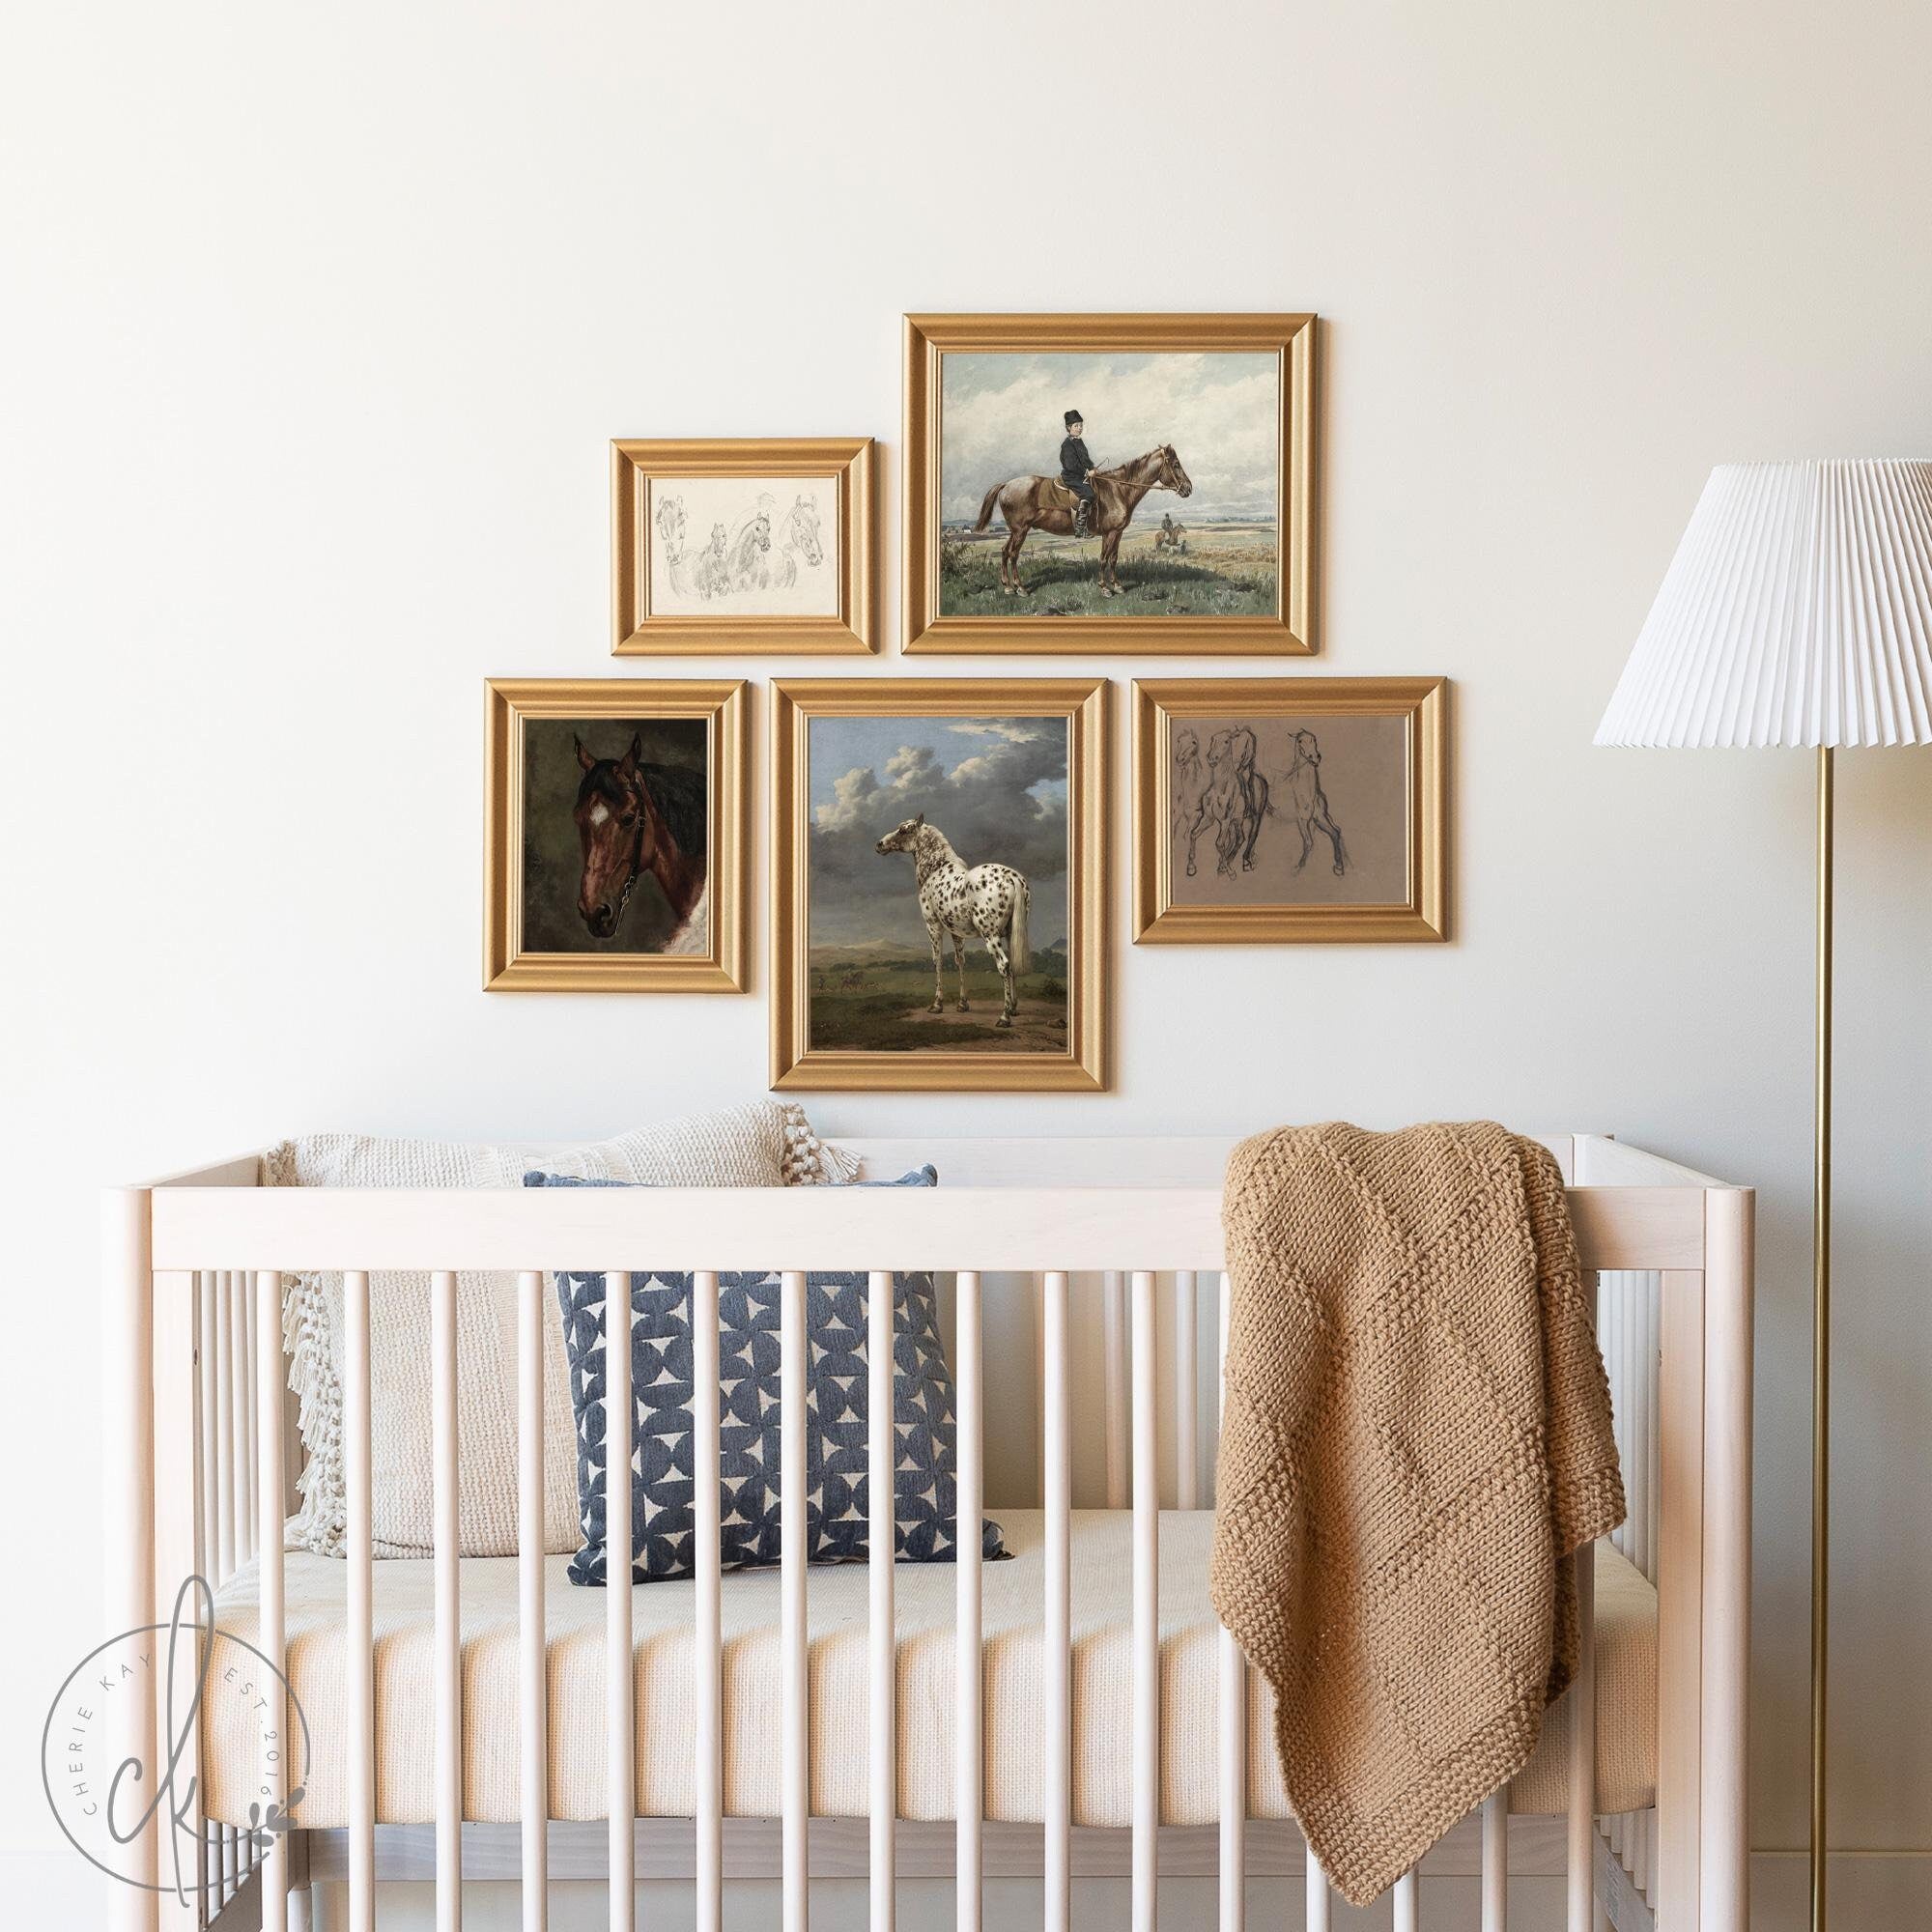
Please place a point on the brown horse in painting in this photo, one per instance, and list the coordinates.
(1028, 503)
(632, 820)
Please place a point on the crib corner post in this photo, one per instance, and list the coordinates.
(127, 1308)
(1725, 1823)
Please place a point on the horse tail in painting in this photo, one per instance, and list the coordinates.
(987, 503)
(1016, 929)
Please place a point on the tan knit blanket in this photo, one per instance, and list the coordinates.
(1416, 1439)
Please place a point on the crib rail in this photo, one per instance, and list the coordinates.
(198, 1271)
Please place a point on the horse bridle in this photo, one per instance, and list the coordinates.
(640, 799)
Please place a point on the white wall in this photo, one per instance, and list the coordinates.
(319, 321)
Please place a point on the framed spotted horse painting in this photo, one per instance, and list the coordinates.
(615, 832)
(939, 876)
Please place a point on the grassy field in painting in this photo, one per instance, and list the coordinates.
(865, 1000)
(1228, 570)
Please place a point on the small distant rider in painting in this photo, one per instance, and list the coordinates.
(1076, 471)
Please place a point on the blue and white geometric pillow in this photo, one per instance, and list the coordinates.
(837, 1500)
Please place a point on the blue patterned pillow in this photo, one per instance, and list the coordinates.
(836, 1506)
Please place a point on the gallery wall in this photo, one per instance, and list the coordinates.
(320, 323)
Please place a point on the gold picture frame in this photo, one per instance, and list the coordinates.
(1217, 803)
(721, 609)
(510, 962)
(1287, 629)
(1083, 1067)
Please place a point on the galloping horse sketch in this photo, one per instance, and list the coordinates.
(1235, 800)
(989, 902)
(1309, 803)
(1027, 504)
(1190, 785)
(632, 820)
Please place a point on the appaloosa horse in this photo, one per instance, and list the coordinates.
(989, 902)
(632, 820)
(1026, 503)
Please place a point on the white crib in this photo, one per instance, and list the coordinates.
(1048, 1229)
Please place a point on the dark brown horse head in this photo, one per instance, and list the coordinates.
(1172, 476)
(616, 828)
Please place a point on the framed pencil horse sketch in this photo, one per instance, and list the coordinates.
(615, 833)
(1121, 483)
(939, 866)
(755, 544)
(1289, 810)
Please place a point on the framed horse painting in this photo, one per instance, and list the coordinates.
(753, 544)
(939, 866)
(1290, 809)
(616, 850)
(1121, 483)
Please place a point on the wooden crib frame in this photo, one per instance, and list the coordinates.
(199, 1465)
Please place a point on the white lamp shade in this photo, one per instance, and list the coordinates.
(1797, 610)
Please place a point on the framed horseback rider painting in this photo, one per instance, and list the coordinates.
(614, 831)
(1290, 809)
(939, 883)
(743, 544)
(1121, 483)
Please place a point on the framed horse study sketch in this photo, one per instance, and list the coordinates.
(939, 872)
(1121, 483)
(1290, 809)
(746, 544)
(616, 835)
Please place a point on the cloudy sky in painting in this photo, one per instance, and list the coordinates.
(1000, 417)
(996, 787)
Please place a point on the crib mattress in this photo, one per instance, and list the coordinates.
(1102, 1675)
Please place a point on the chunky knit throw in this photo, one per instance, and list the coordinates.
(1416, 1439)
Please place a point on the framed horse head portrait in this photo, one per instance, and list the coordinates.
(1119, 483)
(615, 833)
(939, 865)
(1290, 809)
(743, 544)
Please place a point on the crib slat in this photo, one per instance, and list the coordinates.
(1056, 1718)
(794, 1655)
(357, 1422)
(881, 1534)
(532, 1648)
(968, 1715)
(1580, 1861)
(619, 1670)
(251, 1432)
(1113, 1347)
(1231, 1715)
(1317, 1899)
(221, 1386)
(207, 1430)
(707, 1558)
(1186, 1392)
(444, 1448)
(271, 1478)
(1147, 1611)
(1407, 1904)
(1495, 1862)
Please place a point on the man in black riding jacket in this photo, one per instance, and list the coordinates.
(1076, 471)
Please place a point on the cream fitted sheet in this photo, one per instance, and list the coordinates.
(1013, 1614)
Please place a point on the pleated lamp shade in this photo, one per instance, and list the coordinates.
(1797, 610)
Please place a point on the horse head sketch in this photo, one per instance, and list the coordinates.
(633, 819)
(747, 566)
(988, 903)
(669, 522)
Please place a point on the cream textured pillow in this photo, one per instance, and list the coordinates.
(761, 1144)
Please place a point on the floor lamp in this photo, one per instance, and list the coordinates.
(1797, 611)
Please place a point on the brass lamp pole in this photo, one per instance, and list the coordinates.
(1797, 610)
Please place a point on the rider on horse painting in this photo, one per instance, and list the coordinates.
(1076, 470)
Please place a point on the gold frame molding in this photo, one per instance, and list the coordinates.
(1084, 704)
(1422, 918)
(851, 462)
(1291, 632)
(724, 702)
